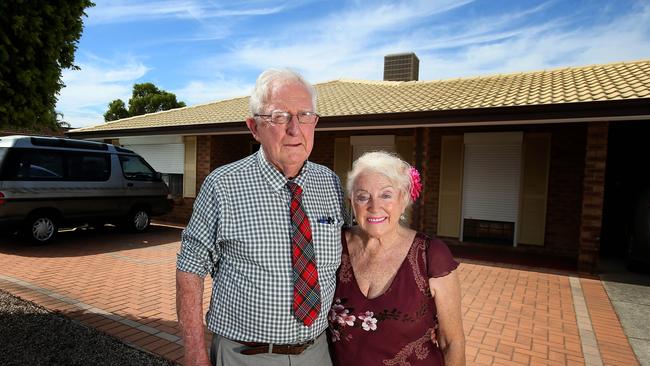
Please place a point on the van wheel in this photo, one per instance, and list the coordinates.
(41, 228)
(138, 220)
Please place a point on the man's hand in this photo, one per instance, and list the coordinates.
(189, 309)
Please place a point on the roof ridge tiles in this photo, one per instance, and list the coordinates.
(571, 69)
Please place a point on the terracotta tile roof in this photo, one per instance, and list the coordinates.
(617, 81)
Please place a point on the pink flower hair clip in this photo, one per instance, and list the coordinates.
(416, 183)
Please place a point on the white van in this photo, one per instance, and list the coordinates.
(47, 183)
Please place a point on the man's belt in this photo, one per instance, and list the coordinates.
(254, 348)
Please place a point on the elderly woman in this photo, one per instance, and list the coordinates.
(395, 287)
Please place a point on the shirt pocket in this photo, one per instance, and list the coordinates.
(326, 228)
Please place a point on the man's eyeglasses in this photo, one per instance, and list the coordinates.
(283, 117)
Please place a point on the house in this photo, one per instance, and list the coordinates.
(532, 160)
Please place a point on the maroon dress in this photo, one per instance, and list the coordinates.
(393, 328)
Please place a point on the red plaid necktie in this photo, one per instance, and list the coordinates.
(306, 290)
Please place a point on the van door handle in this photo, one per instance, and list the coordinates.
(129, 184)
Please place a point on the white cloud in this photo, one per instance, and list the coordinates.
(126, 11)
(205, 91)
(347, 43)
(351, 43)
(545, 47)
(88, 91)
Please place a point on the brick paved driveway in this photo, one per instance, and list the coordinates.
(124, 285)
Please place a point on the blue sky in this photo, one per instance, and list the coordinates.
(209, 50)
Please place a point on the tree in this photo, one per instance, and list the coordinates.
(38, 39)
(116, 110)
(146, 98)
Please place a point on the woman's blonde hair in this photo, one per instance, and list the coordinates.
(387, 164)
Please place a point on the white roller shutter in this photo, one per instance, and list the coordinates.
(164, 158)
(364, 144)
(491, 179)
(360, 150)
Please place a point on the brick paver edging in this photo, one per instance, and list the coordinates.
(590, 348)
(614, 345)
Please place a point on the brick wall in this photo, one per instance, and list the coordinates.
(593, 196)
(323, 151)
(229, 148)
(419, 157)
(429, 167)
(565, 189)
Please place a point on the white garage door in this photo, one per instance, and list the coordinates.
(164, 158)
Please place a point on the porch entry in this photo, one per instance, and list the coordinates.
(493, 187)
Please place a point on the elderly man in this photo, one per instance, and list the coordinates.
(268, 230)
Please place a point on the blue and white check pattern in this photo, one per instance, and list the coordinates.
(240, 233)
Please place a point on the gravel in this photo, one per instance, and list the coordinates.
(33, 335)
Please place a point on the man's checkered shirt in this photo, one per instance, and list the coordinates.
(240, 234)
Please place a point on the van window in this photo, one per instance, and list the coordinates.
(135, 168)
(88, 166)
(33, 164)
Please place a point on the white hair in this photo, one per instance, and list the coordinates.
(387, 164)
(275, 78)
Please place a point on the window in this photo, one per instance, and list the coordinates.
(41, 164)
(89, 167)
(135, 168)
(33, 164)
(174, 183)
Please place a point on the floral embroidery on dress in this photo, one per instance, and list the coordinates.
(345, 272)
(413, 259)
(369, 322)
(340, 315)
(416, 347)
(340, 318)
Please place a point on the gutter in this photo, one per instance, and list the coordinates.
(608, 111)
